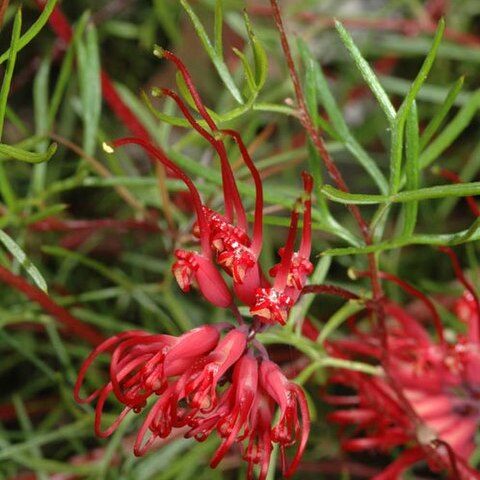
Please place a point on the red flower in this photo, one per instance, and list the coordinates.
(246, 412)
(141, 366)
(183, 375)
(432, 405)
(291, 401)
(226, 235)
(192, 265)
(273, 304)
(233, 410)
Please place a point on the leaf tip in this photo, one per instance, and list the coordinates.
(51, 150)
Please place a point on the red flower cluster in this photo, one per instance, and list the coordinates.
(179, 380)
(224, 237)
(430, 402)
(182, 381)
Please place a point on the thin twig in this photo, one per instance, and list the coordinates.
(319, 144)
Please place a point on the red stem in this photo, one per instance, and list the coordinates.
(230, 191)
(330, 290)
(452, 457)
(159, 155)
(190, 86)
(63, 316)
(307, 122)
(258, 219)
(284, 267)
(226, 168)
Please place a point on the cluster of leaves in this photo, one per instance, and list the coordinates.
(100, 230)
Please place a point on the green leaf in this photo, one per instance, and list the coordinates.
(66, 432)
(12, 57)
(219, 28)
(31, 356)
(90, 87)
(6, 190)
(424, 70)
(41, 99)
(311, 99)
(314, 167)
(451, 132)
(212, 53)
(33, 31)
(164, 117)
(274, 108)
(468, 172)
(23, 260)
(260, 59)
(64, 76)
(451, 239)
(428, 193)
(40, 112)
(138, 108)
(412, 169)
(17, 122)
(181, 84)
(115, 275)
(12, 218)
(438, 118)
(5, 186)
(45, 212)
(15, 153)
(329, 224)
(249, 75)
(398, 126)
(366, 72)
(396, 154)
(340, 316)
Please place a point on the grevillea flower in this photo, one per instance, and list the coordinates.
(273, 304)
(225, 238)
(431, 402)
(216, 378)
(292, 403)
(247, 411)
(178, 379)
(139, 369)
